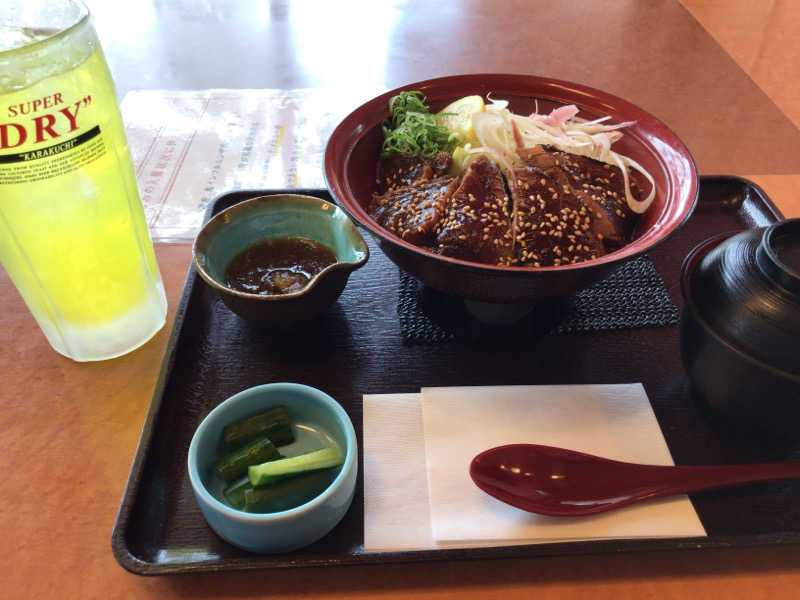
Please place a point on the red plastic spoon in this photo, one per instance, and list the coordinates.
(563, 483)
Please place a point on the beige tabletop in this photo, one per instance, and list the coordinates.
(70, 430)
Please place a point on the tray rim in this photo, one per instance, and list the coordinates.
(136, 565)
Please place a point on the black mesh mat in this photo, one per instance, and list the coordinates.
(632, 296)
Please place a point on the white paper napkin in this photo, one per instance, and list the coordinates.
(614, 421)
(396, 506)
(405, 448)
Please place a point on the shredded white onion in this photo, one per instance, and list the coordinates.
(501, 133)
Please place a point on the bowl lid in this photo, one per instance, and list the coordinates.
(746, 289)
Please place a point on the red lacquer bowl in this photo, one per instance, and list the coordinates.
(352, 154)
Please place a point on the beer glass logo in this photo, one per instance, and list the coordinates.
(40, 129)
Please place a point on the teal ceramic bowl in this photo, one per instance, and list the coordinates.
(281, 215)
(318, 420)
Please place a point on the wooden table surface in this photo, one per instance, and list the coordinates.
(70, 430)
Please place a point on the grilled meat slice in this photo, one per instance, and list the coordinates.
(477, 226)
(602, 188)
(550, 161)
(566, 208)
(413, 212)
(552, 225)
(400, 170)
(599, 186)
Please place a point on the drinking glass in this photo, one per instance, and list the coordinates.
(73, 236)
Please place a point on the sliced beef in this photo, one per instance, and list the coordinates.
(552, 226)
(566, 208)
(477, 226)
(551, 162)
(413, 212)
(401, 170)
(599, 186)
(602, 187)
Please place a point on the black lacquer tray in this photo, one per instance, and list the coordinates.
(357, 348)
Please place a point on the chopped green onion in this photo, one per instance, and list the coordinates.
(411, 128)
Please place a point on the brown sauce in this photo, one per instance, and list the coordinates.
(277, 266)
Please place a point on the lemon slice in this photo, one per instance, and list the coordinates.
(457, 117)
(461, 160)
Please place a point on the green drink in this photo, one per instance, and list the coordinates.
(73, 236)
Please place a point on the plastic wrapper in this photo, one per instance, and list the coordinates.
(190, 146)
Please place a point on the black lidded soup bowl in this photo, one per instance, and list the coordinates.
(740, 328)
